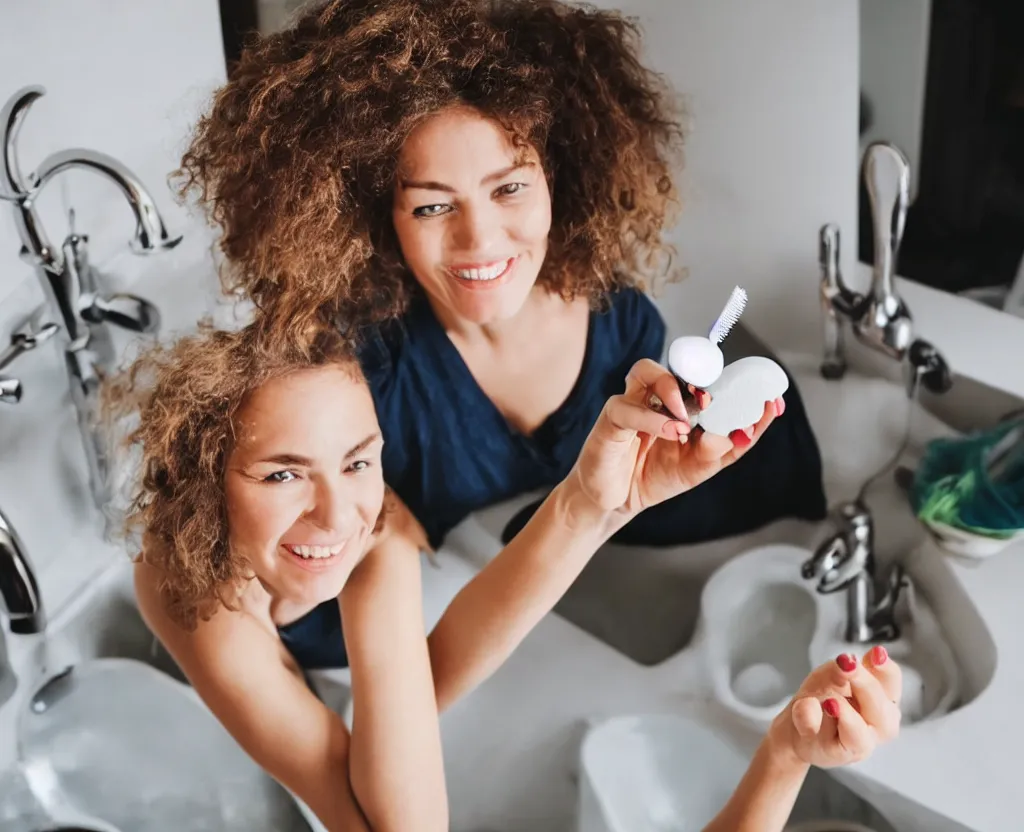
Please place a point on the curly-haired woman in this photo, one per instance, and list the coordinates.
(262, 497)
(480, 189)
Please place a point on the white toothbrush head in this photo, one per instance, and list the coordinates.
(730, 315)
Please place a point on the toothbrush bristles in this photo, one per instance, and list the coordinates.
(730, 315)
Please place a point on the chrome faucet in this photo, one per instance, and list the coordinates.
(69, 282)
(846, 560)
(879, 319)
(19, 591)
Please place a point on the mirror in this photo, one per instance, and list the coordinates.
(943, 80)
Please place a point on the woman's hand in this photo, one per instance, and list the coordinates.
(642, 451)
(842, 712)
(397, 521)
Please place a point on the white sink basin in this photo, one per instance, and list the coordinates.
(118, 739)
(763, 628)
(671, 773)
(95, 743)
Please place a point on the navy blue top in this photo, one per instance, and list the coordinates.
(448, 451)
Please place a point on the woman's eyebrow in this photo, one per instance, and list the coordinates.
(430, 185)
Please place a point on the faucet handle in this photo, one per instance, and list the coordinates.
(927, 367)
(10, 390)
(26, 338)
(125, 310)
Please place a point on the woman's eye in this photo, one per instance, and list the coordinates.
(431, 210)
(280, 476)
(510, 188)
(359, 465)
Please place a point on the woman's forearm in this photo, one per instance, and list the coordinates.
(764, 798)
(396, 766)
(495, 611)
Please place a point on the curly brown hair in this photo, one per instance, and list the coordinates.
(296, 158)
(185, 397)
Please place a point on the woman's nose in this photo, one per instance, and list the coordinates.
(333, 510)
(476, 231)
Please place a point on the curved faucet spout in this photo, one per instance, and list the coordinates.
(19, 592)
(12, 184)
(150, 233)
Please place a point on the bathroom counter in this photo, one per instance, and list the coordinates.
(964, 766)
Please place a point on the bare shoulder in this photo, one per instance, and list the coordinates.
(392, 554)
(212, 639)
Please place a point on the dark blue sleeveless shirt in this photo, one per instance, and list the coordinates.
(448, 451)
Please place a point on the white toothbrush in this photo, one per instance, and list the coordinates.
(699, 361)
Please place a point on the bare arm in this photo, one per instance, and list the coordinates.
(495, 611)
(836, 718)
(764, 798)
(397, 767)
(242, 672)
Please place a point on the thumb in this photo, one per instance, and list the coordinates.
(807, 716)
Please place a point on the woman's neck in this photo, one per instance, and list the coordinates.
(535, 310)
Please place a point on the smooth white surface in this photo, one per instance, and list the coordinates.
(655, 772)
(696, 360)
(739, 395)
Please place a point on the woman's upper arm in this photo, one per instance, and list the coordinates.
(397, 764)
(237, 668)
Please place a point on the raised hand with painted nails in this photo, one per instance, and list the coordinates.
(842, 712)
(642, 450)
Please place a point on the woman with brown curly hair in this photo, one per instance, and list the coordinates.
(479, 190)
(262, 497)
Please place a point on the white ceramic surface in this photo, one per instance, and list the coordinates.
(654, 772)
(758, 616)
(739, 395)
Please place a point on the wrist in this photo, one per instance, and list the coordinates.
(580, 514)
(778, 751)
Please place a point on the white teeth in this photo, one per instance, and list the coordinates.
(489, 273)
(316, 551)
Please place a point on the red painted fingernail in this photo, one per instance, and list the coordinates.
(831, 707)
(739, 438)
(879, 655)
(846, 662)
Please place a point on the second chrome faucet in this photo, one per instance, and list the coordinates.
(880, 318)
(75, 297)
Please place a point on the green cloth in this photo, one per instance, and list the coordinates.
(974, 483)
